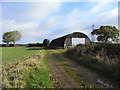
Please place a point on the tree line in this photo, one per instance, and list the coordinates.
(14, 36)
(104, 34)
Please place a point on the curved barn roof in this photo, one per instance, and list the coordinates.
(60, 41)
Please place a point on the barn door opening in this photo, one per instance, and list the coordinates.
(76, 41)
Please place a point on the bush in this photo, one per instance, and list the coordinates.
(11, 45)
(4, 45)
(46, 42)
(108, 66)
(112, 50)
(35, 45)
(53, 47)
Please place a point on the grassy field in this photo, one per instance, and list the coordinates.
(13, 54)
(32, 72)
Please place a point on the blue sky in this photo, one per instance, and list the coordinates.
(39, 20)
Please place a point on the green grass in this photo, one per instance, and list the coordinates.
(39, 78)
(30, 73)
(13, 54)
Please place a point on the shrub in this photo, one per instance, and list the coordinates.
(102, 58)
(46, 42)
(35, 45)
(11, 45)
(4, 45)
(54, 47)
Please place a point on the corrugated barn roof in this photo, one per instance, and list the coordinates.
(59, 42)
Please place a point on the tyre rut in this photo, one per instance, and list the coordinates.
(59, 78)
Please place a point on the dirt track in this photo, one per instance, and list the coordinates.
(59, 77)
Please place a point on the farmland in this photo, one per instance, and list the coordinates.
(57, 44)
(39, 68)
(13, 54)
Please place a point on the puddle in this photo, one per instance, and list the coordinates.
(106, 84)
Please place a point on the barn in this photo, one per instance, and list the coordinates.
(67, 40)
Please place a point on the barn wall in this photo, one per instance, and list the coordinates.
(87, 41)
(68, 42)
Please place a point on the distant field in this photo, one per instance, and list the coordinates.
(13, 54)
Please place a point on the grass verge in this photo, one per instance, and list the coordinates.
(30, 73)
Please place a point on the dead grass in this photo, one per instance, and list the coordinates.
(30, 73)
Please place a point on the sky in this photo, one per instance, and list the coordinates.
(49, 20)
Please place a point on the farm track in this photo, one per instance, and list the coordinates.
(86, 74)
(58, 77)
(59, 74)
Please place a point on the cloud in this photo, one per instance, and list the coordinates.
(109, 17)
(72, 23)
(72, 17)
(60, 0)
(34, 28)
(42, 9)
(45, 22)
(97, 7)
(28, 29)
(32, 31)
(103, 0)
(53, 21)
(85, 25)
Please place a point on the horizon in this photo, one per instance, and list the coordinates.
(49, 20)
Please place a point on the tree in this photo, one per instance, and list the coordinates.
(46, 42)
(12, 36)
(105, 33)
(7, 38)
(16, 36)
